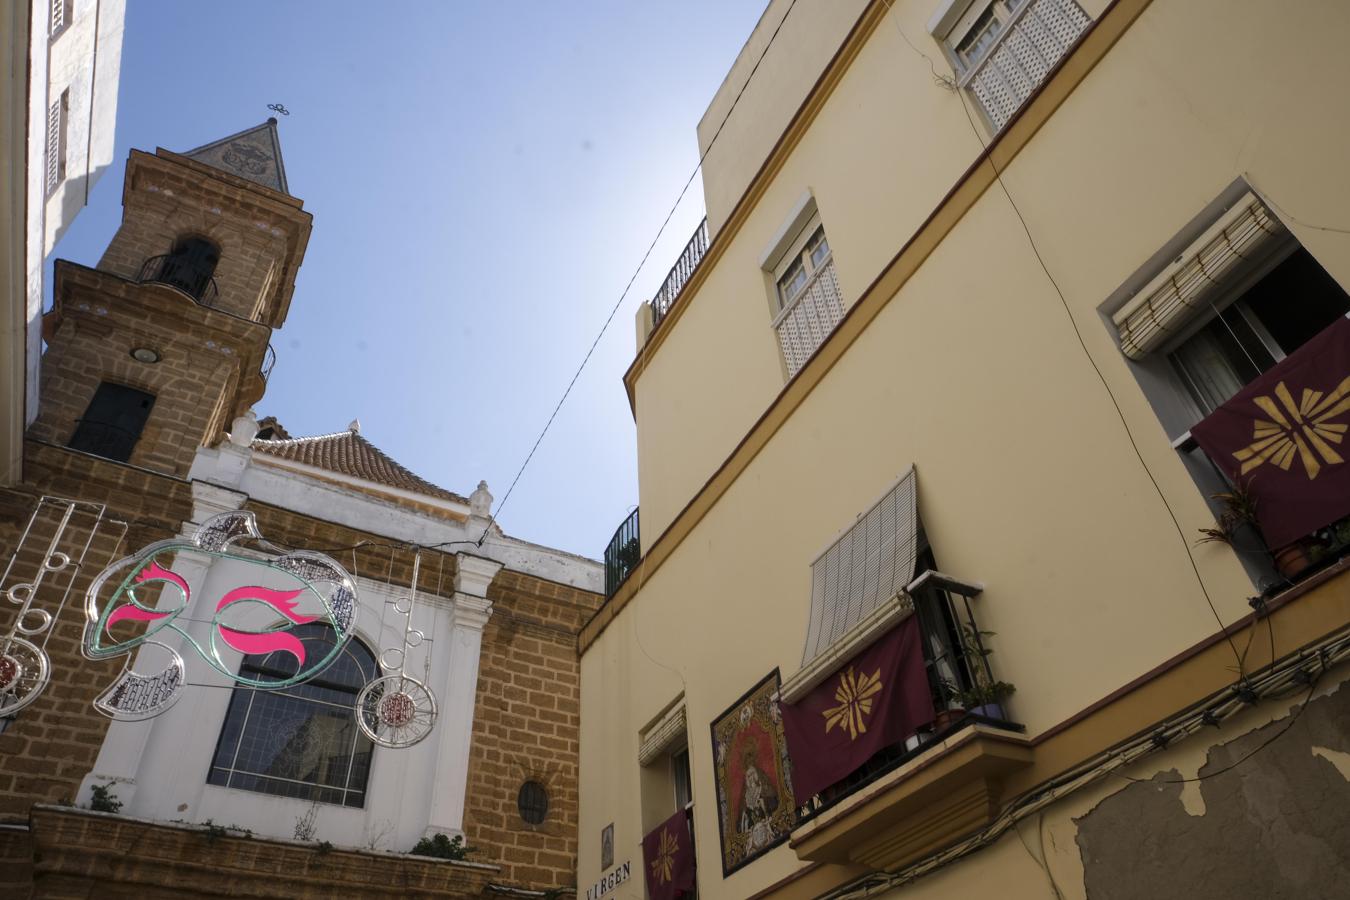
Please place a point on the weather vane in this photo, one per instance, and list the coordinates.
(279, 109)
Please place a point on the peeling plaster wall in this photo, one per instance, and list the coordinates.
(1274, 826)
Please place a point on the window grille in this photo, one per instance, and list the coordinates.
(868, 565)
(532, 802)
(812, 306)
(302, 741)
(1017, 59)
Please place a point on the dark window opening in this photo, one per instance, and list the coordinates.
(1279, 314)
(190, 266)
(113, 422)
(679, 771)
(532, 802)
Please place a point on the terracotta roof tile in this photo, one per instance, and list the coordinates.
(347, 453)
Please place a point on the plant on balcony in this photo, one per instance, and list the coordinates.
(985, 695)
(1237, 515)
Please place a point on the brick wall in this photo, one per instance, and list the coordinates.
(526, 728)
(79, 855)
(256, 238)
(51, 745)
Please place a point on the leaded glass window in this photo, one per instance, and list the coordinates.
(301, 741)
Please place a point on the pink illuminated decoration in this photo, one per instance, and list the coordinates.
(316, 589)
(283, 602)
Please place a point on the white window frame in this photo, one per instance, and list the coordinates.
(799, 251)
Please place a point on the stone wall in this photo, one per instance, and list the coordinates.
(526, 728)
(50, 746)
(81, 854)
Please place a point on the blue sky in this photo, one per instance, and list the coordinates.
(484, 177)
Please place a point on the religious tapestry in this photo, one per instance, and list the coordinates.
(1282, 438)
(755, 805)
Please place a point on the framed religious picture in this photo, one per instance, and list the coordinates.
(607, 847)
(755, 807)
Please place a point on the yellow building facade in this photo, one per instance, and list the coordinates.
(999, 257)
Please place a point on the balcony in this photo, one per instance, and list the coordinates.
(943, 780)
(622, 554)
(1022, 54)
(171, 270)
(680, 273)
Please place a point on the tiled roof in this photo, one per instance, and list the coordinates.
(347, 453)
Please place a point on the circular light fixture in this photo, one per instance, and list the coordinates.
(145, 355)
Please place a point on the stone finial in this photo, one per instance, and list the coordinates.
(355, 426)
(244, 429)
(480, 501)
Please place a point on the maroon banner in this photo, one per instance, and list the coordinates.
(1281, 437)
(877, 699)
(668, 859)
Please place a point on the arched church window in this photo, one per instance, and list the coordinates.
(190, 266)
(301, 741)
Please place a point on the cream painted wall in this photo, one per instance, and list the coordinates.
(1028, 481)
(803, 45)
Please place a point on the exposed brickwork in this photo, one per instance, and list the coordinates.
(195, 384)
(261, 238)
(82, 855)
(526, 727)
(51, 745)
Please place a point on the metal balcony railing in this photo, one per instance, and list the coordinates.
(170, 270)
(957, 664)
(680, 273)
(622, 554)
(269, 360)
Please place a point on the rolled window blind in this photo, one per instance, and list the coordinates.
(1182, 291)
(865, 567)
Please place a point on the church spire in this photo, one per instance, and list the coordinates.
(254, 153)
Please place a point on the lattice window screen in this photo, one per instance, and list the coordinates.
(58, 16)
(811, 318)
(868, 565)
(1027, 52)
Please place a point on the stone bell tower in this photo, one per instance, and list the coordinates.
(153, 353)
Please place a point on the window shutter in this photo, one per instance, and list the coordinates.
(53, 145)
(871, 562)
(1182, 291)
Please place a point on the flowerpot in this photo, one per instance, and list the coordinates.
(991, 711)
(1291, 559)
(946, 718)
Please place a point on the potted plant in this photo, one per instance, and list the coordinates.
(985, 696)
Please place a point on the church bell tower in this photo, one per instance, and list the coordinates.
(153, 353)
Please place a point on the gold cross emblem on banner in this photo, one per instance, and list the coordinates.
(856, 695)
(663, 867)
(1299, 429)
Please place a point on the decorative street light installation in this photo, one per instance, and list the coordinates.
(397, 710)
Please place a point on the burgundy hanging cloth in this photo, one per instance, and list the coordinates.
(878, 698)
(1282, 438)
(668, 859)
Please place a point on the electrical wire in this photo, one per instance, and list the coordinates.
(637, 271)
